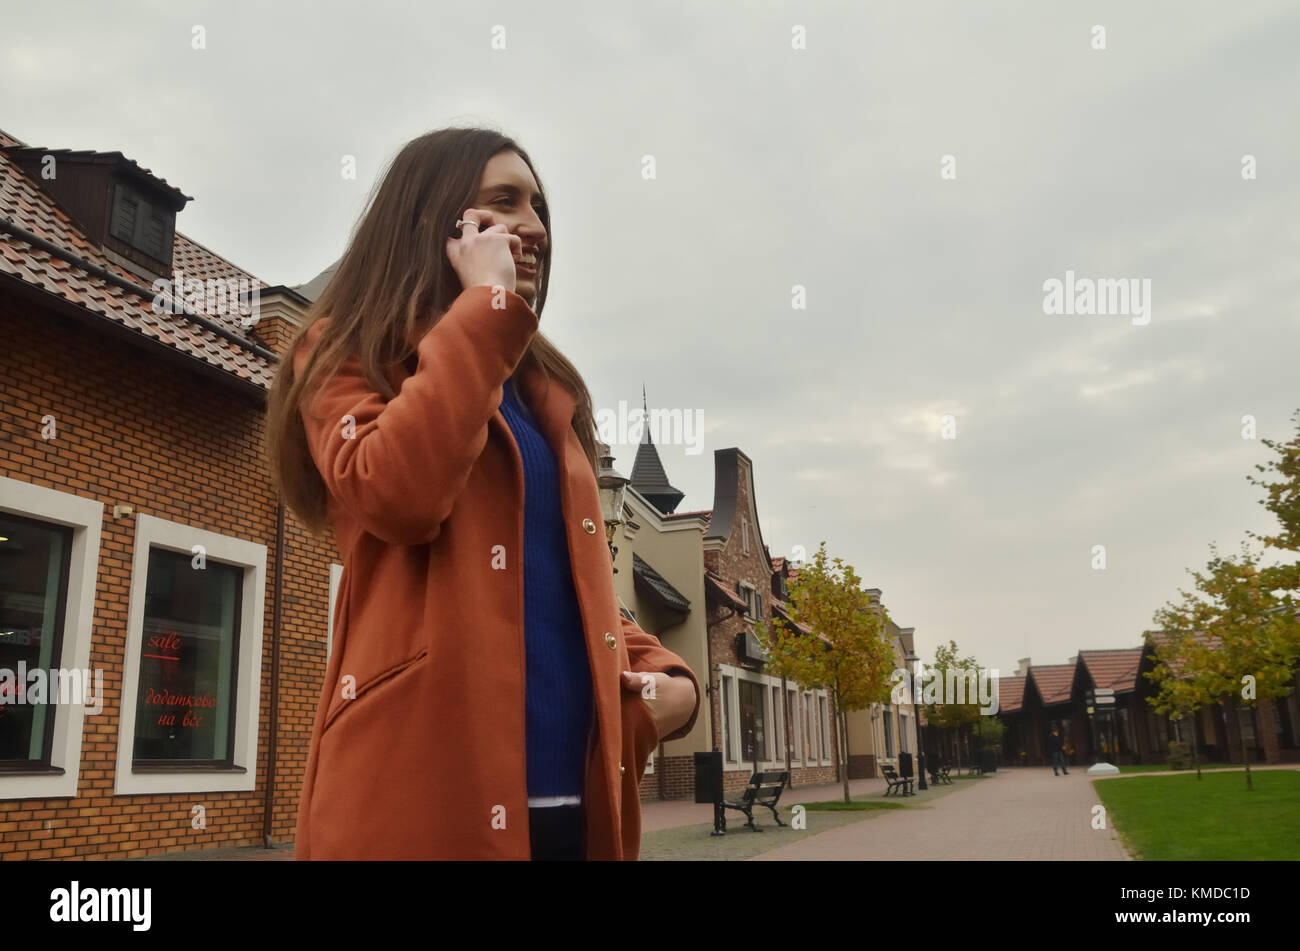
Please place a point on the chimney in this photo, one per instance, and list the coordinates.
(281, 311)
(1073, 660)
(873, 595)
(1022, 669)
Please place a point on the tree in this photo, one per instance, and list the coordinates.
(1176, 697)
(1237, 641)
(1283, 500)
(948, 668)
(1236, 638)
(990, 730)
(844, 654)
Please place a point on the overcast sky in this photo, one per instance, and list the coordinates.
(818, 167)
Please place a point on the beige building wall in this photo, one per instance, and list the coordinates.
(675, 549)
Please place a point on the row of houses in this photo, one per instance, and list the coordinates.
(132, 440)
(1040, 698)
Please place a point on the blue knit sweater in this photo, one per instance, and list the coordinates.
(558, 690)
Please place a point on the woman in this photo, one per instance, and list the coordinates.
(485, 696)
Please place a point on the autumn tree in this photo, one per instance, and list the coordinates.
(1177, 695)
(942, 710)
(845, 653)
(1236, 638)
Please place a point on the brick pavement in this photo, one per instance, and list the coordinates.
(1024, 813)
(658, 815)
(1016, 813)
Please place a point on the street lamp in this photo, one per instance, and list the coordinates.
(911, 659)
(613, 488)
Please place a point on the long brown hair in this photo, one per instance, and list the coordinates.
(393, 283)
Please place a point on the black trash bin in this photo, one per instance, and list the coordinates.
(905, 765)
(988, 761)
(708, 777)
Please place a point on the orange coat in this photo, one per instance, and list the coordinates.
(418, 748)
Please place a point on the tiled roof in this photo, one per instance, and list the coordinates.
(25, 204)
(1160, 638)
(657, 585)
(1116, 669)
(712, 583)
(706, 514)
(1011, 694)
(777, 606)
(1053, 681)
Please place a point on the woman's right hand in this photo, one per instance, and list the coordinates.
(486, 254)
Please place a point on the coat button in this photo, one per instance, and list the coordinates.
(610, 641)
(621, 769)
(589, 525)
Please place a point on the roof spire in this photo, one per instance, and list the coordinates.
(648, 476)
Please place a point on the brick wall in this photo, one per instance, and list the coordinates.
(137, 430)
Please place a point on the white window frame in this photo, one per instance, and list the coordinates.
(336, 575)
(750, 593)
(792, 700)
(728, 721)
(903, 721)
(773, 755)
(86, 518)
(824, 718)
(812, 758)
(778, 722)
(151, 532)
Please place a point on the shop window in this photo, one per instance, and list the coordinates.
(49, 561)
(730, 752)
(752, 720)
(185, 698)
(824, 724)
(34, 566)
(191, 687)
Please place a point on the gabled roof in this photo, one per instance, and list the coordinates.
(24, 204)
(780, 608)
(1053, 682)
(717, 588)
(1159, 639)
(1011, 694)
(1114, 669)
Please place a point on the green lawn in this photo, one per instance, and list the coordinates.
(1183, 818)
(1161, 768)
(856, 805)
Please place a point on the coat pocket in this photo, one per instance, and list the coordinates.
(640, 732)
(341, 704)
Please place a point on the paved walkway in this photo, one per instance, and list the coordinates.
(1012, 814)
(657, 815)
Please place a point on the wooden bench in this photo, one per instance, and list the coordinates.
(764, 789)
(939, 772)
(893, 780)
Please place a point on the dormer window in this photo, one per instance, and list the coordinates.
(145, 226)
(753, 601)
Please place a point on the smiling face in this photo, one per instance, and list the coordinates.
(509, 190)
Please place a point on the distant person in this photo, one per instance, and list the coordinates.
(1056, 751)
